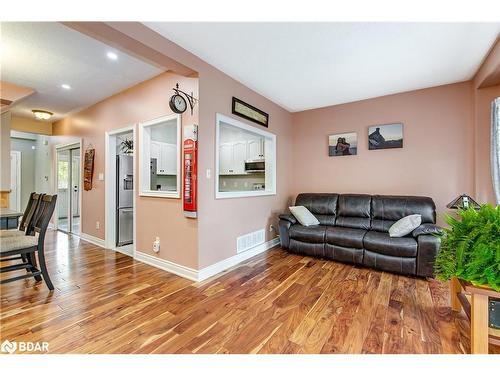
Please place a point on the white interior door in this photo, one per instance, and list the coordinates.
(68, 189)
(15, 181)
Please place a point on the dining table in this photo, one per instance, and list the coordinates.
(9, 219)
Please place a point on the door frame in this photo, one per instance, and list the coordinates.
(18, 178)
(110, 189)
(76, 144)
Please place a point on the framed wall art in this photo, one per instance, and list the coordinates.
(250, 112)
(385, 136)
(343, 144)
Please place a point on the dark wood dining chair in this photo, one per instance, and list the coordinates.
(26, 219)
(25, 247)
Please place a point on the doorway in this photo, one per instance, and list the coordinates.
(68, 179)
(120, 198)
(15, 181)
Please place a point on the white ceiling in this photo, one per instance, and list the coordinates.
(45, 55)
(310, 65)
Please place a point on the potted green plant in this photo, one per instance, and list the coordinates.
(127, 146)
(470, 247)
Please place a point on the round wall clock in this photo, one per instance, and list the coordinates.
(178, 103)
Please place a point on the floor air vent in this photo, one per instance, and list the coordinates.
(247, 241)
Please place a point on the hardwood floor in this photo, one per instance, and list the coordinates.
(106, 302)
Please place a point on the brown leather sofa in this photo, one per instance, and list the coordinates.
(354, 228)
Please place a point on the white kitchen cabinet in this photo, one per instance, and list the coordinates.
(169, 158)
(255, 149)
(226, 158)
(232, 155)
(166, 158)
(155, 151)
(239, 157)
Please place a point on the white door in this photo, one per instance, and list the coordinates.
(239, 157)
(255, 149)
(155, 154)
(68, 189)
(170, 151)
(15, 181)
(225, 158)
(163, 166)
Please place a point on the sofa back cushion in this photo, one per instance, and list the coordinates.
(354, 211)
(321, 205)
(387, 209)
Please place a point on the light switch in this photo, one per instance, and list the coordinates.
(101, 176)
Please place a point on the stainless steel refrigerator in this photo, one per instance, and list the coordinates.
(124, 199)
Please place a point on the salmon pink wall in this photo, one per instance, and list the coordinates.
(155, 216)
(221, 221)
(436, 160)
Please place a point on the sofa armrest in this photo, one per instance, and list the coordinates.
(428, 248)
(286, 221)
(288, 217)
(424, 229)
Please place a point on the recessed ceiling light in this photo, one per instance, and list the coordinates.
(112, 55)
(66, 86)
(40, 114)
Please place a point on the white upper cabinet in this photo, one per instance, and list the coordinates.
(226, 158)
(239, 157)
(165, 155)
(255, 149)
(168, 154)
(232, 155)
(155, 153)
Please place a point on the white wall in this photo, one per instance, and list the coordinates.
(43, 165)
(28, 156)
(5, 151)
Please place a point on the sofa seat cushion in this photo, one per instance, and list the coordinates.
(312, 233)
(382, 243)
(346, 237)
(401, 265)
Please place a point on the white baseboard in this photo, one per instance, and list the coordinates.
(93, 240)
(187, 272)
(177, 269)
(125, 250)
(223, 265)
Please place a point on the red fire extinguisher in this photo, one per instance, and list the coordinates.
(190, 170)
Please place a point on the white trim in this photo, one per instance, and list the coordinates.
(69, 145)
(109, 191)
(121, 250)
(61, 147)
(207, 272)
(18, 178)
(270, 161)
(177, 269)
(223, 265)
(23, 135)
(144, 157)
(92, 239)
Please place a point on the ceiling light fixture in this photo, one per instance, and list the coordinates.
(66, 86)
(40, 114)
(112, 55)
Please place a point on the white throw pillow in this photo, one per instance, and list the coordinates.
(303, 215)
(405, 225)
